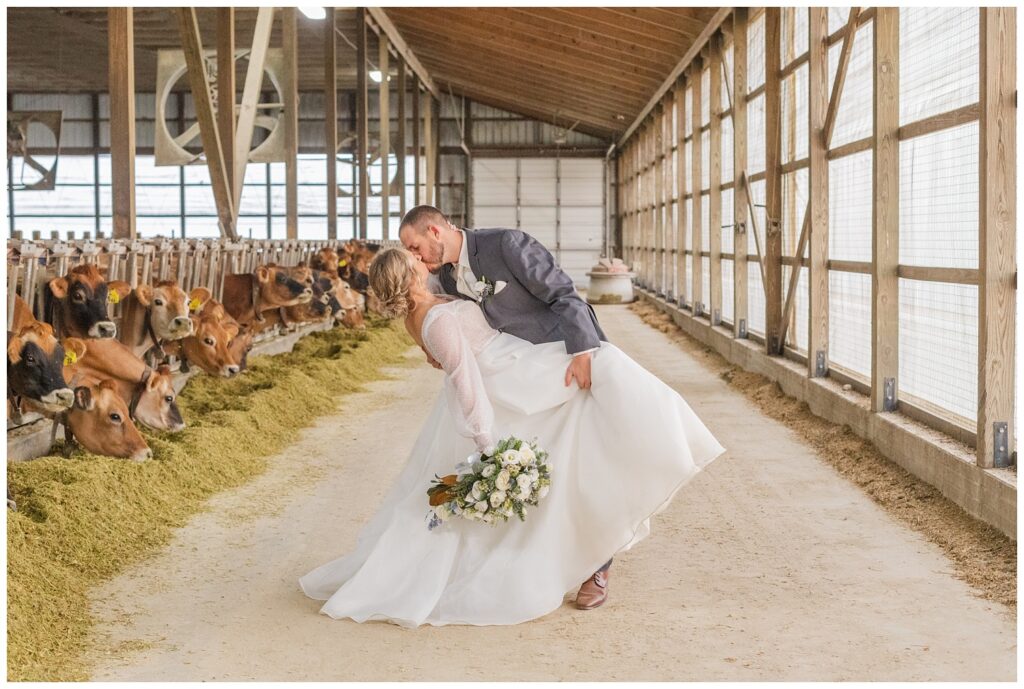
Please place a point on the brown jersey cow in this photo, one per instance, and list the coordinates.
(154, 314)
(247, 295)
(77, 302)
(210, 347)
(99, 421)
(148, 392)
(35, 360)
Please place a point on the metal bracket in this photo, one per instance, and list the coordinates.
(889, 394)
(741, 228)
(820, 363)
(716, 317)
(774, 227)
(698, 309)
(743, 328)
(1000, 444)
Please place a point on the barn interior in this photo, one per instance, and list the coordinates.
(822, 196)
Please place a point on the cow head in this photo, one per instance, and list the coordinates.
(209, 349)
(278, 289)
(240, 346)
(156, 407)
(303, 274)
(350, 305)
(169, 306)
(327, 260)
(99, 421)
(35, 363)
(82, 297)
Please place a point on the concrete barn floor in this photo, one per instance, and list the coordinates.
(768, 566)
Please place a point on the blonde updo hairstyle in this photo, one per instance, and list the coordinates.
(391, 274)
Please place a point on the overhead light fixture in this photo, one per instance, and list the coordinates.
(620, 117)
(377, 77)
(314, 12)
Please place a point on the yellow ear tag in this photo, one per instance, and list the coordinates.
(193, 305)
(113, 297)
(342, 263)
(70, 358)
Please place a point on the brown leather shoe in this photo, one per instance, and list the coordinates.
(593, 592)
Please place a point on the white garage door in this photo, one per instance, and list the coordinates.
(558, 201)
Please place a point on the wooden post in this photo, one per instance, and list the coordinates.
(290, 43)
(715, 182)
(741, 222)
(885, 212)
(774, 339)
(817, 210)
(697, 220)
(226, 88)
(658, 200)
(385, 135)
(681, 173)
(417, 198)
(205, 116)
(428, 145)
(400, 143)
(331, 122)
(997, 224)
(362, 120)
(667, 288)
(121, 38)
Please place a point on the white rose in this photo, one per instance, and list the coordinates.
(547, 467)
(510, 457)
(498, 497)
(534, 475)
(524, 482)
(479, 286)
(502, 481)
(479, 490)
(526, 455)
(481, 506)
(542, 492)
(489, 470)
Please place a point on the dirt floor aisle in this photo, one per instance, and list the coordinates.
(768, 566)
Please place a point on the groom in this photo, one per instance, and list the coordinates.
(521, 291)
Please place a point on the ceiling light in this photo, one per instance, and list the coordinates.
(620, 117)
(314, 12)
(376, 75)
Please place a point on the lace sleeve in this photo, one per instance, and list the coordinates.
(464, 386)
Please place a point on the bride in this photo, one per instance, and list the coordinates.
(620, 451)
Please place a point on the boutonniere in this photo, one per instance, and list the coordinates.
(484, 288)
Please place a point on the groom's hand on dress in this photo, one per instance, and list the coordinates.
(579, 369)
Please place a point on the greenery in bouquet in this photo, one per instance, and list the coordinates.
(493, 486)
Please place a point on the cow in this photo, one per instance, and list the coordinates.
(351, 303)
(153, 314)
(247, 295)
(149, 392)
(77, 302)
(209, 347)
(100, 422)
(240, 344)
(35, 360)
(327, 260)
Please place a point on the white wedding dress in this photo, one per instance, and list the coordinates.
(619, 451)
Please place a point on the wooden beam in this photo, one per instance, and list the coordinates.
(885, 213)
(381, 19)
(290, 44)
(741, 223)
(657, 245)
(362, 120)
(715, 182)
(331, 121)
(959, 276)
(417, 198)
(936, 123)
(120, 32)
(384, 106)
(681, 174)
(774, 337)
(428, 146)
(687, 58)
(844, 62)
(997, 225)
(250, 97)
(400, 143)
(205, 116)
(796, 261)
(817, 214)
(697, 296)
(226, 88)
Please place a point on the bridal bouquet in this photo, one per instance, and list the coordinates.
(492, 487)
